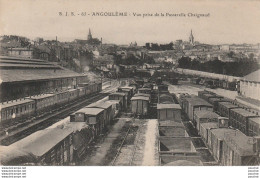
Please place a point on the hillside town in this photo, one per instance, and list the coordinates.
(91, 53)
(89, 103)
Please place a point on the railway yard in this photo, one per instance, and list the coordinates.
(137, 122)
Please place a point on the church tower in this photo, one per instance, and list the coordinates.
(89, 35)
(191, 38)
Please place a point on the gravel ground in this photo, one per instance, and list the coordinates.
(150, 148)
(97, 159)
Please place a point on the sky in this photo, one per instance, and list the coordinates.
(225, 22)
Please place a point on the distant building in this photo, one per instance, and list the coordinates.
(191, 39)
(224, 48)
(250, 85)
(89, 35)
(104, 61)
(21, 52)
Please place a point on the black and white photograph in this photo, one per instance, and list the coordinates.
(129, 83)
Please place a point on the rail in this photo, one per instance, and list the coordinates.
(42, 123)
(121, 145)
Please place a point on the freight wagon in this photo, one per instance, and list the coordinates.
(239, 119)
(107, 111)
(238, 150)
(203, 116)
(62, 146)
(140, 105)
(224, 108)
(254, 126)
(116, 107)
(195, 104)
(166, 99)
(92, 116)
(215, 145)
(169, 112)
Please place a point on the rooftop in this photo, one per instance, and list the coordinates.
(206, 114)
(240, 143)
(255, 119)
(209, 125)
(168, 106)
(118, 93)
(140, 98)
(243, 112)
(103, 105)
(40, 96)
(90, 111)
(50, 138)
(253, 77)
(15, 69)
(195, 101)
(14, 103)
(228, 105)
(142, 94)
(220, 132)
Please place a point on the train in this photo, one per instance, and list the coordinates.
(230, 132)
(38, 104)
(240, 116)
(67, 141)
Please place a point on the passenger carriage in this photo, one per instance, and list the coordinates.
(44, 102)
(17, 109)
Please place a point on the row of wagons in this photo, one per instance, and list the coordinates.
(37, 104)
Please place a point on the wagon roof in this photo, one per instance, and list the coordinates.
(14, 102)
(10, 155)
(90, 111)
(42, 141)
(168, 106)
(208, 94)
(118, 94)
(220, 132)
(228, 105)
(127, 87)
(103, 105)
(142, 94)
(240, 143)
(195, 101)
(145, 89)
(113, 101)
(215, 99)
(243, 112)
(40, 96)
(206, 114)
(255, 119)
(209, 125)
(140, 98)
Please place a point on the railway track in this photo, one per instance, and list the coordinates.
(121, 145)
(130, 160)
(48, 120)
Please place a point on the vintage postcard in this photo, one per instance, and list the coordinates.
(129, 83)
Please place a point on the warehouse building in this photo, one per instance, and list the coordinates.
(21, 77)
(250, 85)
